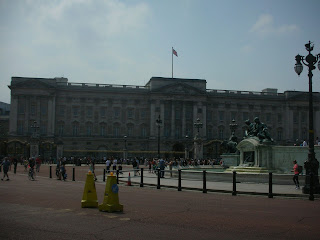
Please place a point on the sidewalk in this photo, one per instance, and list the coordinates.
(151, 179)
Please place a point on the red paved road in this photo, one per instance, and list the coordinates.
(50, 209)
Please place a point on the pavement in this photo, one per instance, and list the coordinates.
(191, 181)
(51, 209)
(222, 186)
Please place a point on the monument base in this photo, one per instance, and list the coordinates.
(230, 159)
(245, 169)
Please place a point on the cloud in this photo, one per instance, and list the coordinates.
(265, 26)
(107, 17)
(247, 49)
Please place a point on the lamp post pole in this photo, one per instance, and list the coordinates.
(197, 140)
(158, 122)
(186, 148)
(311, 165)
(198, 124)
(35, 143)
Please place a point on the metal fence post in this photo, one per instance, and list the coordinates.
(179, 180)
(104, 175)
(50, 172)
(158, 185)
(141, 181)
(117, 176)
(234, 192)
(311, 196)
(204, 190)
(73, 174)
(270, 195)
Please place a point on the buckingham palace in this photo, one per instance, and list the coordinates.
(54, 117)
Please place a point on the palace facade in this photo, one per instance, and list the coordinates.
(85, 119)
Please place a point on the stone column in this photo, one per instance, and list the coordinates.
(172, 120)
(204, 120)
(162, 118)
(195, 111)
(152, 119)
(59, 151)
(51, 116)
(288, 120)
(27, 115)
(13, 122)
(183, 131)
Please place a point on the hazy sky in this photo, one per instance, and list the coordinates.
(233, 44)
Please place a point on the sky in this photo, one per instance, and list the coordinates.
(246, 45)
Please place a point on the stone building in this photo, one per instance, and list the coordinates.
(85, 119)
(4, 127)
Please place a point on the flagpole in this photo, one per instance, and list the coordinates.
(172, 60)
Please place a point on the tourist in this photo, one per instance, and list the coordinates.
(15, 164)
(296, 174)
(150, 165)
(135, 165)
(92, 168)
(162, 167)
(114, 165)
(5, 164)
(170, 167)
(63, 173)
(304, 144)
(38, 163)
(108, 163)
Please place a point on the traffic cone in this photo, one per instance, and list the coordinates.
(89, 198)
(111, 197)
(129, 181)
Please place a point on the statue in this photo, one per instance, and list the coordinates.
(250, 131)
(258, 129)
(231, 145)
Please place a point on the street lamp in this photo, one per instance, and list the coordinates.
(34, 143)
(311, 165)
(197, 124)
(159, 122)
(233, 127)
(186, 148)
(34, 126)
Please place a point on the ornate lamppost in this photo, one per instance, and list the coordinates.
(311, 165)
(34, 144)
(233, 127)
(158, 122)
(197, 141)
(186, 148)
(197, 124)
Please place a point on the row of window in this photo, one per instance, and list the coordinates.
(33, 108)
(143, 113)
(143, 131)
(103, 111)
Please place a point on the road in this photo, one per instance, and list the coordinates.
(51, 209)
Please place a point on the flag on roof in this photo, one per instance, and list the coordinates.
(174, 52)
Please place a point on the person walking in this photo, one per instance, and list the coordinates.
(114, 165)
(6, 165)
(296, 174)
(15, 164)
(38, 163)
(162, 167)
(108, 163)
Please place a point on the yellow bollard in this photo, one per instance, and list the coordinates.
(111, 197)
(89, 198)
